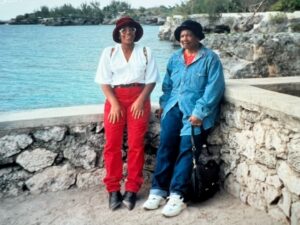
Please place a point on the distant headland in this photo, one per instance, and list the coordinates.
(92, 14)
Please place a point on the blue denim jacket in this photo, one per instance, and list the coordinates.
(197, 88)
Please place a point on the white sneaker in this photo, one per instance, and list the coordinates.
(154, 201)
(174, 206)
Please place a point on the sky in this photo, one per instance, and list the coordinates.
(11, 8)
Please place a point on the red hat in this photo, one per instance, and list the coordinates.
(127, 22)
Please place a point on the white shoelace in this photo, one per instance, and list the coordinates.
(175, 200)
(154, 197)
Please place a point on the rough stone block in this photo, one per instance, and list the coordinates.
(13, 144)
(271, 194)
(257, 172)
(294, 153)
(295, 214)
(52, 179)
(90, 178)
(232, 187)
(48, 134)
(78, 155)
(274, 181)
(36, 160)
(278, 215)
(290, 178)
(285, 202)
(257, 201)
(259, 134)
(266, 157)
(242, 172)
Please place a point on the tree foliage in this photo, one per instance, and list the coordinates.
(286, 5)
(222, 6)
(214, 8)
(116, 7)
(89, 11)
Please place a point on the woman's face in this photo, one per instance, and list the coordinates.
(127, 35)
(188, 40)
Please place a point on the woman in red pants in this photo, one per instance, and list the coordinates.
(127, 73)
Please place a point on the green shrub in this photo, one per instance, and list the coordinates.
(295, 27)
(278, 18)
(286, 5)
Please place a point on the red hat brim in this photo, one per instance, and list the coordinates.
(128, 23)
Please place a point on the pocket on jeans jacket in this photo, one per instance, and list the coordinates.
(198, 80)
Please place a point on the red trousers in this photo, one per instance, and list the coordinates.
(136, 130)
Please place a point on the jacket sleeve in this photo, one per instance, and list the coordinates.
(167, 85)
(214, 89)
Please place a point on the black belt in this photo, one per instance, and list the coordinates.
(129, 85)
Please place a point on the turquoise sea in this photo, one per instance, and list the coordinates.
(43, 66)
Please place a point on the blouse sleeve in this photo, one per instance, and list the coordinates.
(152, 74)
(104, 73)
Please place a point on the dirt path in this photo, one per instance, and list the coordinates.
(90, 207)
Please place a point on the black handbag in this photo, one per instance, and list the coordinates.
(205, 175)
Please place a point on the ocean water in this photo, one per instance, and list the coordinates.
(43, 67)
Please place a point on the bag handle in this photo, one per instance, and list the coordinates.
(204, 139)
(194, 149)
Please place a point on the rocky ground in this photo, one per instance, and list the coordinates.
(88, 207)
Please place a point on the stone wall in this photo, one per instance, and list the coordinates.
(259, 136)
(52, 158)
(257, 143)
(261, 160)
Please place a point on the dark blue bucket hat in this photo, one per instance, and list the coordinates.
(191, 25)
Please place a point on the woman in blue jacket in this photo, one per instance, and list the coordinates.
(192, 91)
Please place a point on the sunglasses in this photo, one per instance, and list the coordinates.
(127, 29)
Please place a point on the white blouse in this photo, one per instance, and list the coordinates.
(113, 68)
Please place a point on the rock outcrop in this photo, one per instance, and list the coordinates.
(250, 45)
(257, 55)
